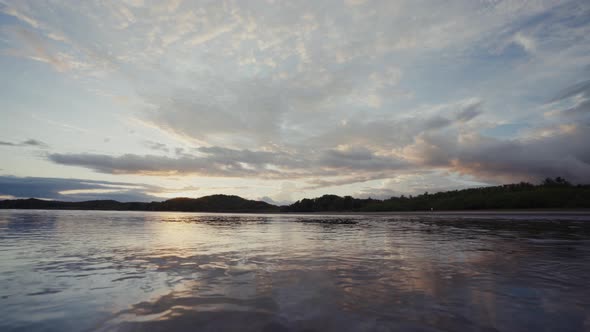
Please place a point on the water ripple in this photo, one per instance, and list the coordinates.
(130, 271)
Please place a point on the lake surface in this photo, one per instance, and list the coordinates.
(147, 271)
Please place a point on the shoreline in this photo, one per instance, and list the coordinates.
(557, 212)
(524, 212)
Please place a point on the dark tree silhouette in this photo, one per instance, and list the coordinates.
(552, 193)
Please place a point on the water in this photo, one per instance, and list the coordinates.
(136, 271)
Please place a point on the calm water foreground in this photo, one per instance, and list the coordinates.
(135, 271)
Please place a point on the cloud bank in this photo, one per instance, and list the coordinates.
(73, 189)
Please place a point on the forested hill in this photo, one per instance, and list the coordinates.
(213, 203)
(552, 194)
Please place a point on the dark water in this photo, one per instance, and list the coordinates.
(133, 271)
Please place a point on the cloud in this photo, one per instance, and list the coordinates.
(285, 194)
(469, 111)
(393, 132)
(363, 151)
(26, 143)
(74, 189)
(580, 108)
(34, 142)
(355, 177)
(39, 50)
(224, 162)
(527, 43)
(578, 96)
(359, 159)
(21, 16)
(327, 95)
(561, 153)
(416, 184)
(156, 146)
(580, 88)
(275, 74)
(158, 165)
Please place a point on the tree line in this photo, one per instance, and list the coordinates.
(552, 193)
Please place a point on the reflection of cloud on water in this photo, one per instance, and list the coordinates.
(174, 271)
(418, 289)
(296, 294)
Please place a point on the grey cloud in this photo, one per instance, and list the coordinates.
(377, 193)
(130, 163)
(252, 112)
(578, 88)
(360, 159)
(348, 178)
(50, 188)
(244, 112)
(466, 113)
(361, 151)
(257, 161)
(156, 165)
(220, 154)
(561, 154)
(391, 133)
(436, 122)
(469, 112)
(580, 109)
(27, 143)
(34, 142)
(157, 146)
(225, 162)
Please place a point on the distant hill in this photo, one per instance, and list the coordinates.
(213, 203)
(551, 194)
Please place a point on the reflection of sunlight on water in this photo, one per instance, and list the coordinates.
(175, 271)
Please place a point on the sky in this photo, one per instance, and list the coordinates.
(142, 100)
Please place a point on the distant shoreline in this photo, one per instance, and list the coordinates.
(582, 212)
(524, 212)
(552, 197)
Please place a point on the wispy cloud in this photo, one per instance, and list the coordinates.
(26, 143)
